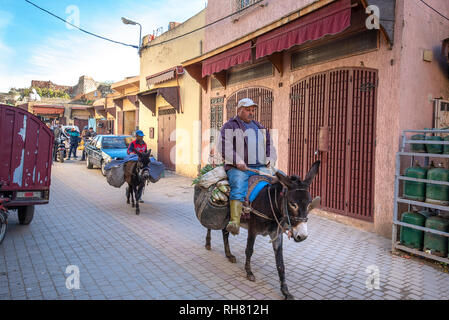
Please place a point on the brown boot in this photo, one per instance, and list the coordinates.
(234, 223)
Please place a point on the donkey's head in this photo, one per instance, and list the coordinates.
(143, 168)
(297, 202)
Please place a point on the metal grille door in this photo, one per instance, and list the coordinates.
(343, 101)
(263, 97)
(297, 125)
(362, 139)
(336, 157)
(315, 119)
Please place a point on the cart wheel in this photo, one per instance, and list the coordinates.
(3, 226)
(26, 215)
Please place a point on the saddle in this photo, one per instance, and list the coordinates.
(255, 185)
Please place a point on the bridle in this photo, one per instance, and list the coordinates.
(284, 211)
(141, 169)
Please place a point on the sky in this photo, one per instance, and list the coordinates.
(36, 46)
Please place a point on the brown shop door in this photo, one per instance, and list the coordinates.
(166, 147)
(344, 102)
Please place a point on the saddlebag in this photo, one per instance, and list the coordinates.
(116, 175)
(214, 216)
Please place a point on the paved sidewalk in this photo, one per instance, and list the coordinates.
(160, 254)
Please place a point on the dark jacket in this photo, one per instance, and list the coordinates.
(234, 124)
(74, 138)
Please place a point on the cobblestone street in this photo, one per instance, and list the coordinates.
(160, 254)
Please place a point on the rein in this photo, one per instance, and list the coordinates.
(284, 212)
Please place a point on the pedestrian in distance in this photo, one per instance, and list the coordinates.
(74, 140)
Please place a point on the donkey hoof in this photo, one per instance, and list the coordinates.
(127, 202)
(133, 205)
(251, 277)
(232, 259)
(137, 211)
(207, 246)
(289, 297)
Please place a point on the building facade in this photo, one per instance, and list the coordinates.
(170, 98)
(126, 105)
(316, 70)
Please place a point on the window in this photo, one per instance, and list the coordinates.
(114, 143)
(352, 44)
(94, 141)
(242, 4)
(261, 70)
(98, 145)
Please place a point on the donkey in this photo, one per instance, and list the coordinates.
(136, 175)
(280, 207)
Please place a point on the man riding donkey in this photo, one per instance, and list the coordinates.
(136, 147)
(246, 148)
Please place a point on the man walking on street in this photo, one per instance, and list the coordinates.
(57, 133)
(85, 135)
(74, 140)
(246, 144)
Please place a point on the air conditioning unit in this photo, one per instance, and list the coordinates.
(441, 115)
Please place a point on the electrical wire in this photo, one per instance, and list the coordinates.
(200, 28)
(435, 10)
(149, 45)
(85, 31)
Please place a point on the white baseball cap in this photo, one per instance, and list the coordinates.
(246, 102)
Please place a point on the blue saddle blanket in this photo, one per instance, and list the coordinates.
(257, 189)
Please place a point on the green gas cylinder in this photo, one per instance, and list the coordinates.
(412, 238)
(434, 148)
(446, 147)
(421, 148)
(415, 190)
(436, 193)
(435, 244)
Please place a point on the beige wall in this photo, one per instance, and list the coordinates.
(162, 57)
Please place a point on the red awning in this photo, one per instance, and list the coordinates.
(48, 110)
(227, 59)
(329, 20)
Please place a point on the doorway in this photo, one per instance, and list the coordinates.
(166, 142)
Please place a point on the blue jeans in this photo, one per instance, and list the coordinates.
(238, 181)
(73, 147)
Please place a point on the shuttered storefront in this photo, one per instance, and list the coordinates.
(262, 96)
(343, 101)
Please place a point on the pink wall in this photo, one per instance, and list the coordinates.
(405, 82)
(250, 19)
(423, 30)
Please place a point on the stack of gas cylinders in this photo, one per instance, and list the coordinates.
(430, 193)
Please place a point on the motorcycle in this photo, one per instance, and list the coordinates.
(62, 149)
(3, 218)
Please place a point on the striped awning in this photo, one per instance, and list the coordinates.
(166, 75)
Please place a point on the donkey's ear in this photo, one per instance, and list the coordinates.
(284, 180)
(312, 173)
